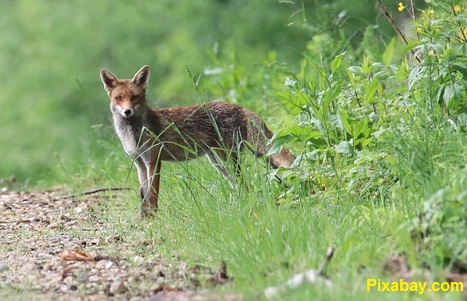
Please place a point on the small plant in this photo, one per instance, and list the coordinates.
(440, 49)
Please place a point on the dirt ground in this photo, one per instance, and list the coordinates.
(48, 252)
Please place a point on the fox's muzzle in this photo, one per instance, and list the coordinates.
(125, 112)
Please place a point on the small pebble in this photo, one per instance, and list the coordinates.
(117, 288)
(3, 266)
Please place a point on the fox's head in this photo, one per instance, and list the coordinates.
(127, 96)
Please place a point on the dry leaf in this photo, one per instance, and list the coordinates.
(75, 255)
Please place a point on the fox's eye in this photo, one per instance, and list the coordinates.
(118, 98)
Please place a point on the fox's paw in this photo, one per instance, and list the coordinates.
(147, 212)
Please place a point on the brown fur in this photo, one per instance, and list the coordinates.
(217, 129)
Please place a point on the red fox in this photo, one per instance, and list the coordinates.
(216, 129)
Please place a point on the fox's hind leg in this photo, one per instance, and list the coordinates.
(218, 159)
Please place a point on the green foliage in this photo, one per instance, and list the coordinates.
(370, 129)
(439, 230)
(383, 130)
(442, 73)
(342, 113)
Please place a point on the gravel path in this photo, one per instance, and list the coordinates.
(48, 251)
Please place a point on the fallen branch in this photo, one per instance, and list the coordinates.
(385, 13)
(94, 191)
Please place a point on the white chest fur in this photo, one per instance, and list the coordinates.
(128, 134)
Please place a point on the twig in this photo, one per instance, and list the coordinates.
(384, 11)
(323, 268)
(93, 191)
(412, 11)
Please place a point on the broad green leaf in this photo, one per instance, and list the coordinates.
(415, 75)
(452, 93)
(344, 147)
(356, 69)
(303, 132)
(411, 46)
(291, 102)
(344, 118)
(330, 95)
(337, 62)
(361, 129)
(388, 53)
(460, 67)
(371, 89)
(277, 142)
(366, 155)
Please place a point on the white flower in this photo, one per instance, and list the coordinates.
(290, 82)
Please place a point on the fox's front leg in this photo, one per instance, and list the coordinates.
(142, 177)
(149, 167)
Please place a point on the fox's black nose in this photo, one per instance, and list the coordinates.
(127, 112)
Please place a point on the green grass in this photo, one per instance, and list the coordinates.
(202, 220)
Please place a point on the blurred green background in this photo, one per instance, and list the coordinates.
(55, 112)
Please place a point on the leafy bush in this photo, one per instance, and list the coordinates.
(384, 130)
(380, 126)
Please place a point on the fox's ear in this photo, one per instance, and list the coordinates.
(109, 80)
(141, 77)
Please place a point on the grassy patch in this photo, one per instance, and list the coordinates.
(202, 220)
